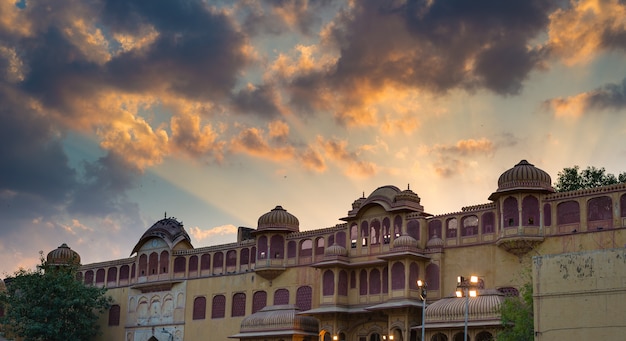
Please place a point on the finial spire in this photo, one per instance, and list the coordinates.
(165, 215)
(408, 187)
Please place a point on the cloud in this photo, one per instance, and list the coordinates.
(253, 141)
(193, 139)
(577, 33)
(337, 150)
(607, 97)
(223, 230)
(453, 159)
(277, 17)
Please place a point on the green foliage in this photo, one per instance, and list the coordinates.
(517, 316)
(572, 178)
(49, 304)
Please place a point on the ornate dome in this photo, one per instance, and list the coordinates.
(486, 305)
(278, 219)
(404, 241)
(63, 255)
(434, 243)
(358, 202)
(168, 229)
(407, 195)
(523, 176)
(276, 319)
(336, 250)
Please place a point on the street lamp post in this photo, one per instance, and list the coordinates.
(422, 286)
(467, 289)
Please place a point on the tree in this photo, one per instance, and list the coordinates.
(49, 304)
(572, 178)
(517, 316)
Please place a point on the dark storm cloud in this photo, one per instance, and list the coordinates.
(269, 16)
(609, 96)
(197, 52)
(262, 100)
(104, 183)
(438, 47)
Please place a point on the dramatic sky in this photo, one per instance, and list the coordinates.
(113, 113)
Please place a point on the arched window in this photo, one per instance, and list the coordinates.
(375, 232)
(319, 249)
(568, 212)
(218, 308)
(193, 263)
(239, 305)
(470, 226)
(180, 264)
(434, 229)
(488, 222)
(342, 288)
(397, 226)
(354, 235)
(244, 256)
(306, 248)
(277, 246)
(218, 262)
(622, 205)
(112, 275)
(363, 282)
(281, 296)
(364, 233)
(89, 277)
(413, 229)
(114, 315)
(439, 337)
(262, 247)
(328, 283)
(484, 336)
(599, 208)
(153, 263)
(165, 262)
(547, 214)
(100, 276)
(304, 297)
(205, 261)
(199, 308)
(510, 212)
(386, 232)
(530, 211)
(124, 272)
(432, 276)
(143, 265)
(259, 301)
(375, 282)
(459, 336)
(231, 258)
(291, 249)
(452, 225)
(397, 276)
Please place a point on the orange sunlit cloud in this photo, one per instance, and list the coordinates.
(200, 234)
(194, 139)
(576, 34)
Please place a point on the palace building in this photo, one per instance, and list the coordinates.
(357, 280)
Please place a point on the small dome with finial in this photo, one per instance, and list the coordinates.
(278, 219)
(63, 255)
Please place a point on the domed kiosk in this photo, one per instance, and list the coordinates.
(523, 177)
(280, 322)
(170, 230)
(270, 234)
(518, 195)
(63, 256)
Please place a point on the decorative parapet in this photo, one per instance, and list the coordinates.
(584, 192)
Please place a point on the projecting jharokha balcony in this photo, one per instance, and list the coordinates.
(269, 268)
